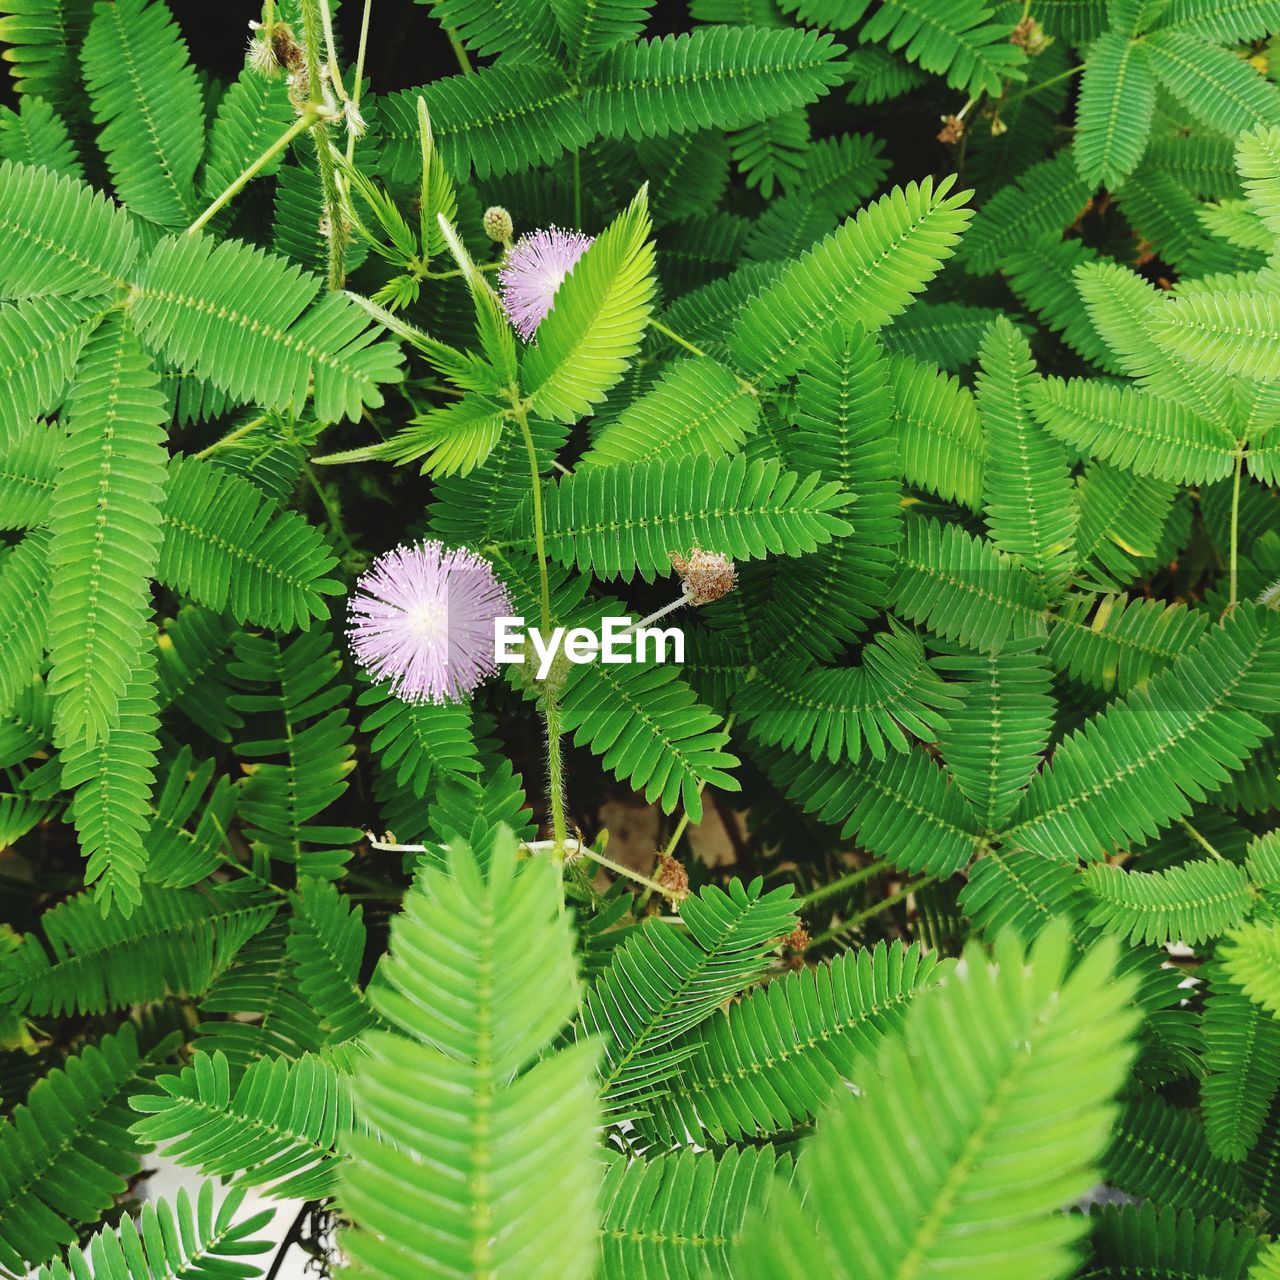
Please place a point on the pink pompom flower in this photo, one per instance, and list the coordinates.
(534, 270)
(421, 617)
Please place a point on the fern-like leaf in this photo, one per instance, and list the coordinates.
(106, 533)
(1033, 1031)
(597, 321)
(784, 1051)
(1113, 120)
(868, 270)
(468, 1098)
(147, 101)
(627, 519)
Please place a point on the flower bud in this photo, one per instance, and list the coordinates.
(497, 224)
(707, 575)
(1030, 35)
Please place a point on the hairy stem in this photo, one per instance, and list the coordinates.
(550, 706)
(361, 49)
(313, 26)
(237, 184)
(618, 869)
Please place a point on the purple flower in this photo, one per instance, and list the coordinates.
(421, 618)
(534, 270)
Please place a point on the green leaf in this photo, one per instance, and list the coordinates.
(663, 981)
(61, 237)
(24, 612)
(1251, 958)
(1138, 430)
(679, 1216)
(66, 1153)
(696, 406)
(173, 1239)
(243, 319)
(1113, 118)
(275, 1129)
(787, 1048)
(1187, 903)
(627, 519)
(590, 28)
(951, 38)
(106, 533)
(868, 270)
(597, 321)
(469, 1097)
(964, 589)
(147, 102)
(1234, 331)
(1220, 89)
(1029, 507)
(649, 729)
(719, 77)
(940, 440)
(1010, 1069)
(230, 548)
(42, 40)
(841, 712)
(996, 739)
(1145, 760)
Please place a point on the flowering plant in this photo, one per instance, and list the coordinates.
(919, 920)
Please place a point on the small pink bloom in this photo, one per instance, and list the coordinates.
(421, 618)
(534, 270)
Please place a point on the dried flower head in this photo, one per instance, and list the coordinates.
(998, 126)
(534, 270)
(952, 130)
(672, 878)
(1030, 35)
(798, 939)
(498, 225)
(707, 575)
(273, 49)
(422, 618)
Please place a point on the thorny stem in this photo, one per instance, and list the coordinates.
(550, 707)
(330, 50)
(1235, 529)
(359, 77)
(302, 123)
(312, 24)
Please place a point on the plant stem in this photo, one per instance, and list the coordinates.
(875, 909)
(1200, 840)
(618, 869)
(1234, 575)
(312, 27)
(659, 327)
(577, 189)
(355, 88)
(844, 882)
(1044, 84)
(231, 437)
(459, 52)
(550, 707)
(302, 123)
